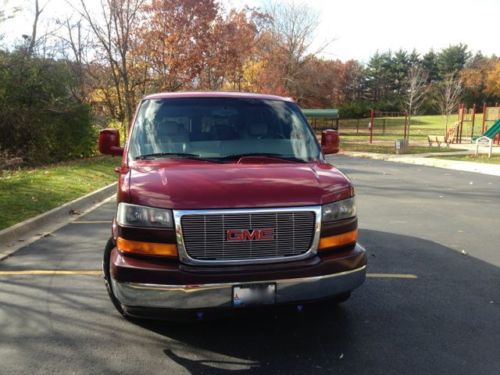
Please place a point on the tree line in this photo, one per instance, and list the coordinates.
(93, 66)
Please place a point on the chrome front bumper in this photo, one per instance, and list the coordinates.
(220, 295)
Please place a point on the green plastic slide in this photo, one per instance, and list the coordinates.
(493, 130)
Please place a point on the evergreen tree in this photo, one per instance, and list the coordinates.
(452, 59)
(429, 62)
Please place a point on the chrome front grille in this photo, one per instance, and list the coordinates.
(204, 235)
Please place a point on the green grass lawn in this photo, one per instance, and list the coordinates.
(391, 128)
(390, 149)
(28, 192)
(495, 159)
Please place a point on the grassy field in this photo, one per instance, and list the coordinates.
(29, 192)
(495, 159)
(391, 128)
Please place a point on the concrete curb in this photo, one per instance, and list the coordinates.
(464, 166)
(23, 232)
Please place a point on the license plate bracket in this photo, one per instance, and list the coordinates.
(254, 294)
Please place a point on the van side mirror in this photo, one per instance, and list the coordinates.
(330, 141)
(109, 142)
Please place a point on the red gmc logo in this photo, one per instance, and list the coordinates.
(264, 234)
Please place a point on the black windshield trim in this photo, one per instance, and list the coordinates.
(264, 154)
(173, 155)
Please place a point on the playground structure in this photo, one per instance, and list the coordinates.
(387, 127)
(468, 117)
(465, 117)
(491, 114)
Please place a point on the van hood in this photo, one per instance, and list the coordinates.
(191, 184)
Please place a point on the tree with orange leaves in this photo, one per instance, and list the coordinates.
(493, 80)
(233, 42)
(175, 36)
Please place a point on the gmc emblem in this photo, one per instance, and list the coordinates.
(264, 234)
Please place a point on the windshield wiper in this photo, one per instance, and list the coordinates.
(170, 154)
(264, 154)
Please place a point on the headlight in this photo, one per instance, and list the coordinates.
(339, 210)
(142, 216)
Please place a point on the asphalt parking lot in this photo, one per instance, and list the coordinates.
(430, 306)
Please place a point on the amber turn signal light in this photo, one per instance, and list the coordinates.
(338, 240)
(147, 248)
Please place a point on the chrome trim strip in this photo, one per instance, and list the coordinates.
(185, 258)
(220, 294)
(195, 287)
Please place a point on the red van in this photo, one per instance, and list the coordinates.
(225, 201)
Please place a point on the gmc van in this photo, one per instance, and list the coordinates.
(226, 201)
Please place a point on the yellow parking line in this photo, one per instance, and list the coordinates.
(51, 273)
(91, 222)
(392, 276)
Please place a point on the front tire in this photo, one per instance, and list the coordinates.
(106, 264)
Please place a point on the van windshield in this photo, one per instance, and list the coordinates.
(221, 129)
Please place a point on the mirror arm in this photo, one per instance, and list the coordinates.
(117, 151)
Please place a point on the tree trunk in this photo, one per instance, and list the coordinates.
(408, 128)
(32, 44)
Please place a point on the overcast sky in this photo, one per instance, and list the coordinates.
(360, 27)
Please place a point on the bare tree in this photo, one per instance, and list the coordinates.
(32, 42)
(113, 30)
(416, 90)
(75, 44)
(293, 27)
(449, 93)
(40, 41)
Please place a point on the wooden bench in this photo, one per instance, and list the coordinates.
(438, 140)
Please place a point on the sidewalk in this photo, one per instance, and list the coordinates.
(428, 160)
(471, 147)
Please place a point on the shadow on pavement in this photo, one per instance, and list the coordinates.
(446, 321)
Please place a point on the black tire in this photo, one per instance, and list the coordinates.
(107, 277)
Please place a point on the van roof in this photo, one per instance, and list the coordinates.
(215, 94)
